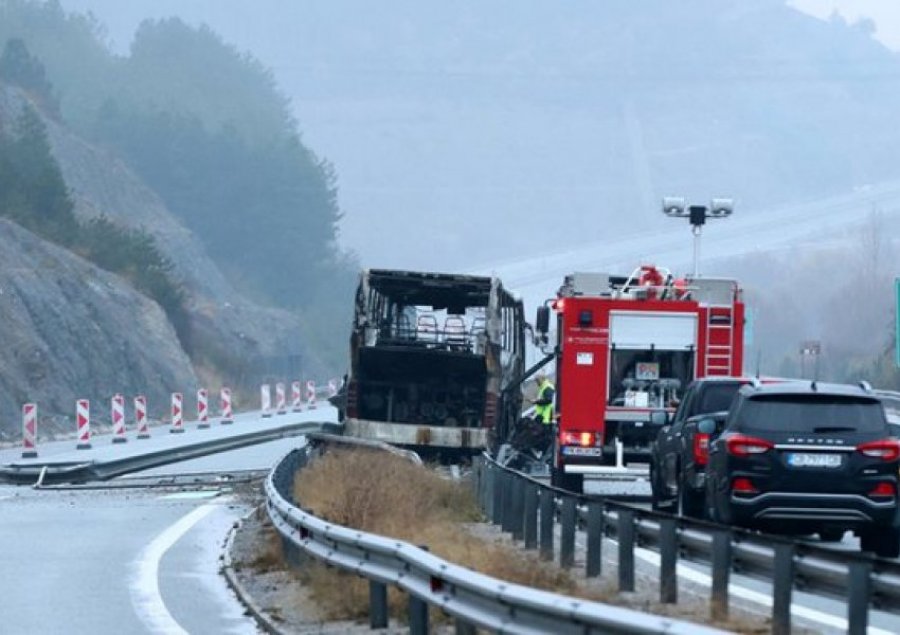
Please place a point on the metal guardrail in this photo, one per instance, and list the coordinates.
(528, 509)
(51, 473)
(473, 599)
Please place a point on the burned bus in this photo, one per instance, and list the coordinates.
(434, 360)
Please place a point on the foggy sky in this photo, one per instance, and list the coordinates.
(413, 170)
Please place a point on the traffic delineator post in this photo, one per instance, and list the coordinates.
(265, 396)
(202, 408)
(117, 415)
(332, 387)
(296, 396)
(311, 394)
(227, 416)
(280, 405)
(83, 421)
(29, 431)
(177, 413)
(140, 417)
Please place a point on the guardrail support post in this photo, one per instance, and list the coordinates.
(782, 582)
(594, 560)
(567, 542)
(418, 616)
(378, 606)
(518, 508)
(497, 495)
(626, 550)
(858, 597)
(531, 507)
(668, 561)
(721, 569)
(546, 534)
(508, 483)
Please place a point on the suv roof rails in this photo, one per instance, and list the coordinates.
(865, 385)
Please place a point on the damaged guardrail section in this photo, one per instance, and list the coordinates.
(473, 599)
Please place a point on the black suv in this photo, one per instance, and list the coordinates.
(678, 456)
(808, 458)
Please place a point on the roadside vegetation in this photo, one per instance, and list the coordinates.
(208, 129)
(385, 494)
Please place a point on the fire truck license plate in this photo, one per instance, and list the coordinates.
(804, 459)
(579, 451)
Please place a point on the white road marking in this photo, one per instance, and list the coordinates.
(754, 596)
(191, 495)
(145, 594)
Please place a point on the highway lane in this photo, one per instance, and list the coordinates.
(113, 560)
(78, 562)
(824, 614)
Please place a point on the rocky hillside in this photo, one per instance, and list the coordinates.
(72, 330)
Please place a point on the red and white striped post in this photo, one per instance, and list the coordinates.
(280, 404)
(225, 404)
(265, 395)
(296, 396)
(332, 387)
(177, 413)
(83, 419)
(29, 431)
(140, 417)
(202, 408)
(117, 415)
(311, 394)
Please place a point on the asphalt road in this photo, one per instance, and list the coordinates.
(112, 561)
(752, 594)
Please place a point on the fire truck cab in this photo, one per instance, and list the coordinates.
(626, 349)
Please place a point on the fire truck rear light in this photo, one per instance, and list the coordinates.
(743, 485)
(701, 448)
(741, 445)
(584, 439)
(884, 489)
(886, 449)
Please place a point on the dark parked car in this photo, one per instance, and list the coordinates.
(678, 456)
(808, 458)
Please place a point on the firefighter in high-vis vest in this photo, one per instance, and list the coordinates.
(543, 405)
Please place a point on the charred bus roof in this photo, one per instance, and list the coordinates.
(439, 290)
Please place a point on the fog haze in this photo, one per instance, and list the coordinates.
(477, 132)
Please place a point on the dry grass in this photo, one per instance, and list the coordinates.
(384, 494)
(270, 556)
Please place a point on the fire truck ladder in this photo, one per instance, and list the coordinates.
(720, 340)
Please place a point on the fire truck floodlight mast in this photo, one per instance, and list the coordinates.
(675, 207)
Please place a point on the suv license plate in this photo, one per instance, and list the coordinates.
(804, 459)
(574, 450)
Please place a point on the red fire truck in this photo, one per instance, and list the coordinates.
(626, 348)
